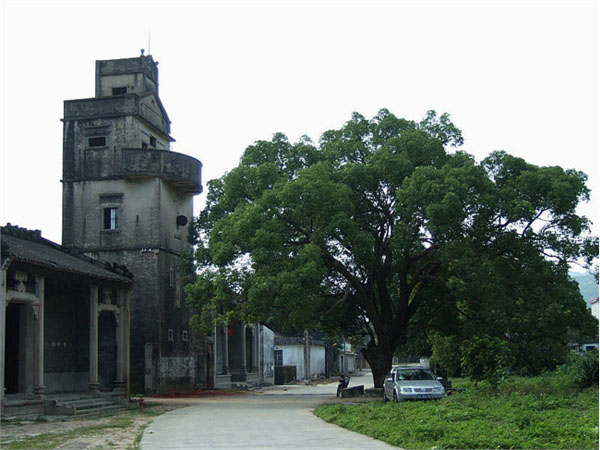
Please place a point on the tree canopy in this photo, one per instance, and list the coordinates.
(381, 230)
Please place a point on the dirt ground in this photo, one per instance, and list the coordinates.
(120, 438)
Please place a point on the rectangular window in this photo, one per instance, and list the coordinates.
(185, 336)
(119, 90)
(111, 218)
(152, 142)
(278, 357)
(177, 291)
(97, 141)
(170, 335)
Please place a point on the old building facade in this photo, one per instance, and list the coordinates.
(64, 325)
(128, 199)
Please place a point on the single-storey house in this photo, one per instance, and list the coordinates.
(292, 351)
(64, 324)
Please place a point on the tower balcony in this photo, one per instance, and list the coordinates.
(182, 171)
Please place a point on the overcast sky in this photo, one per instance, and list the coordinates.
(520, 76)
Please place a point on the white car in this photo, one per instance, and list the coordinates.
(412, 383)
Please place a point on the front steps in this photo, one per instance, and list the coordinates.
(81, 405)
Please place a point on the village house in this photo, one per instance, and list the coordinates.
(64, 326)
(127, 202)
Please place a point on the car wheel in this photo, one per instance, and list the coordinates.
(395, 397)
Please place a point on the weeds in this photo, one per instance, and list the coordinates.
(521, 413)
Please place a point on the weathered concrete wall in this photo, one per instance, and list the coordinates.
(317, 361)
(110, 73)
(268, 358)
(293, 355)
(149, 188)
(107, 351)
(107, 116)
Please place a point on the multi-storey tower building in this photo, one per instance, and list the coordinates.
(127, 199)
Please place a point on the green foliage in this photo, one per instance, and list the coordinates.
(582, 370)
(521, 413)
(486, 358)
(380, 231)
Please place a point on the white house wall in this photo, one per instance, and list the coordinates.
(293, 355)
(268, 359)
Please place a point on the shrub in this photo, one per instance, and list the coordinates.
(486, 358)
(582, 370)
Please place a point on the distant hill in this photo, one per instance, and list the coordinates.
(587, 284)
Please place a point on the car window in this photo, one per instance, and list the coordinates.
(415, 374)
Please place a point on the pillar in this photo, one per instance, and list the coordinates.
(259, 354)
(255, 347)
(39, 389)
(243, 346)
(126, 341)
(94, 384)
(120, 340)
(226, 350)
(3, 306)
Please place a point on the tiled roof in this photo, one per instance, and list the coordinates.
(288, 340)
(28, 246)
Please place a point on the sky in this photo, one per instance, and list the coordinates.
(519, 76)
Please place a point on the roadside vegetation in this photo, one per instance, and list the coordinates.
(104, 427)
(556, 410)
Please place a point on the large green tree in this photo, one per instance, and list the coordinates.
(379, 223)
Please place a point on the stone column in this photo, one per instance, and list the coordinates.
(226, 350)
(39, 389)
(255, 347)
(120, 341)
(126, 342)
(243, 346)
(3, 306)
(215, 359)
(94, 384)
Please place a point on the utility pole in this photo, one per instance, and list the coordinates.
(307, 356)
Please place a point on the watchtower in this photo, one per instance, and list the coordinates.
(128, 199)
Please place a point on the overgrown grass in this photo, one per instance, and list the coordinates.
(521, 413)
(53, 440)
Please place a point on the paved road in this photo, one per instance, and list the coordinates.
(276, 418)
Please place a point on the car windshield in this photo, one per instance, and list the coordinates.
(415, 374)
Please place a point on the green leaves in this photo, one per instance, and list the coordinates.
(380, 226)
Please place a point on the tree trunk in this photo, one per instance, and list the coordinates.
(380, 360)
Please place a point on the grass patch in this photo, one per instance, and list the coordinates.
(52, 440)
(522, 413)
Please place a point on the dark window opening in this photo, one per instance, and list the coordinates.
(97, 141)
(144, 145)
(119, 90)
(278, 357)
(111, 218)
(152, 141)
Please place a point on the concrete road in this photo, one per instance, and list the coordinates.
(275, 418)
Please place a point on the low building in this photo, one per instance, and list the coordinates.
(292, 351)
(64, 324)
(243, 355)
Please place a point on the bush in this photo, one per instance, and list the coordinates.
(582, 370)
(486, 358)
(446, 353)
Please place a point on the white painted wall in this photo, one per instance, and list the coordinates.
(594, 309)
(267, 356)
(293, 355)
